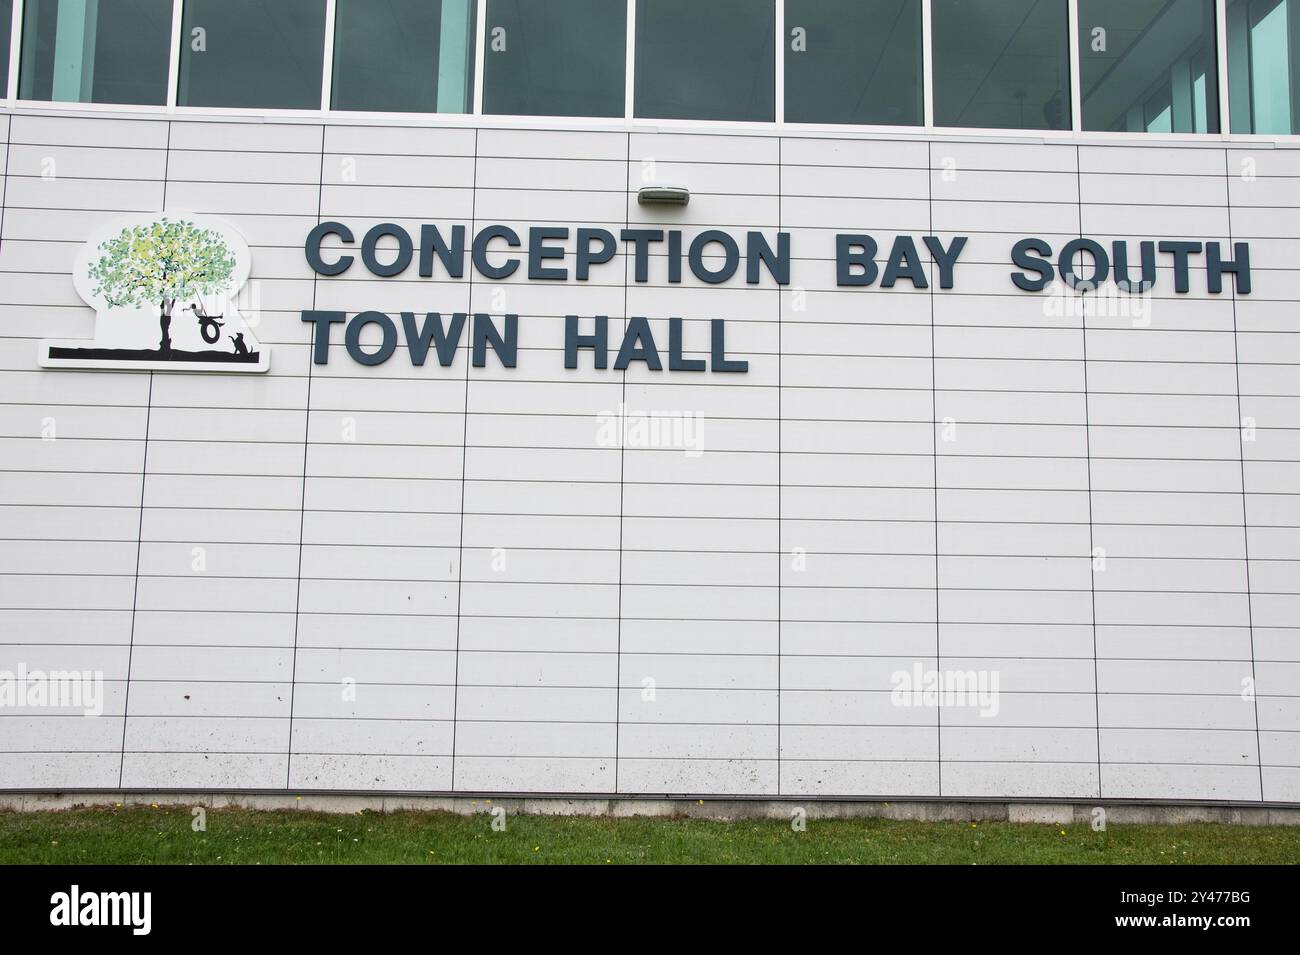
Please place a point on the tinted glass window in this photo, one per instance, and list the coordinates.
(1148, 66)
(1263, 79)
(558, 58)
(83, 51)
(252, 53)
(853, 61)
(1001, 64)
(6, 19)
(403, 55)
(705, 60)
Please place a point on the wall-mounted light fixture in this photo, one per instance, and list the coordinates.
(663, 196)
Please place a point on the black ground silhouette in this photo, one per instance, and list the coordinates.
(153, 354)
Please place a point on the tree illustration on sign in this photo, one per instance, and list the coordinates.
(160, 264)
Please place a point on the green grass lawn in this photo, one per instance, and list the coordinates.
(165, 835)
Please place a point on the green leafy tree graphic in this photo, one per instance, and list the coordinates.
(162, 263)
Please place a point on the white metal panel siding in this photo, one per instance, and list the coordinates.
(904, 477)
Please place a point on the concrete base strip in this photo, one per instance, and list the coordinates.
(1075, 813)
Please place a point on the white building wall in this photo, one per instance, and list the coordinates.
(903, 478)
(1013, 492)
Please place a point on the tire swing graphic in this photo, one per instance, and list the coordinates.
(209, 325)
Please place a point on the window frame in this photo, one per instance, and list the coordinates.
(628, 122)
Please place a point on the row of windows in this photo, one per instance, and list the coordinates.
(1143, 65)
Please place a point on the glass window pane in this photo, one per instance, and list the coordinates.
(1001, 64)
(6, 21)
(1270, 97)
(263, 54)
(404, 56)
(706, 60)
(853, 61)
(1159, 117)
(1131, 51)
(558, 58)
(95, 51)
(1263, 79)
(1201, 117)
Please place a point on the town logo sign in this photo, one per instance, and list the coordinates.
(164, 290)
